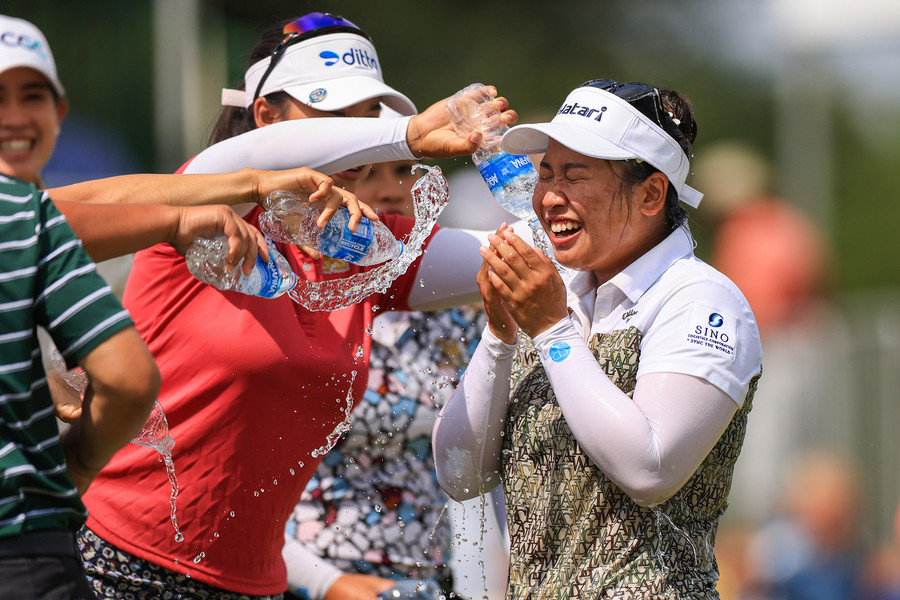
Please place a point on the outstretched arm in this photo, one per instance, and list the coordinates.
(335, 144)
(110, 230)
(233, 186)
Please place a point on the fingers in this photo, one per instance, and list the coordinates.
(514, 255)
(323, 186)
(357, 209)
(244, 243)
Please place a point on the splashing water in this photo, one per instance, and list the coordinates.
(154, 434)
(341, 427)
(173, 483)
(430, 194)
(704, 555)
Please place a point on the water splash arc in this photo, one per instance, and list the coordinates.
(430, 194)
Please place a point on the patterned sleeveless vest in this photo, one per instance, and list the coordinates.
(574, 533)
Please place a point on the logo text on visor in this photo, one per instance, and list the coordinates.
(13, 39)
(581, 111)
(355, 56)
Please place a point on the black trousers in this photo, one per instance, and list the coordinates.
(42, 566)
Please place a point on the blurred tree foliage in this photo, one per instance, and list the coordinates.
(534, 51)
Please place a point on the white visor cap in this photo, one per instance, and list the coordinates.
(598, 124)
(23, 45)
(328, 72)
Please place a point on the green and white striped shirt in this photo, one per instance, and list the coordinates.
(46, 279)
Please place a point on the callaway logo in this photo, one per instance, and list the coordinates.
(13, 39)
(352, 57)
(582, 111)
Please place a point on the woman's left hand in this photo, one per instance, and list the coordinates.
(526, 280)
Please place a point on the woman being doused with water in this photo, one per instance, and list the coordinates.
(613, 406)
(253, 388)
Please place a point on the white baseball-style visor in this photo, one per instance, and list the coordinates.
(23, 45)
(329, 72)
(599, 124)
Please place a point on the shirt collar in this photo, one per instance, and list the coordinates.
(637, 277)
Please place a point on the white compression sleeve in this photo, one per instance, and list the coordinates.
(451, 262)
(307, 570)
(648, 446)
(467, 437)
(328, 145)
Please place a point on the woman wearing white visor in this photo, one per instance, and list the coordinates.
(253, 386)
(612, 408)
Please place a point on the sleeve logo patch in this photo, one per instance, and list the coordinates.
(559, 351)
(712, 330)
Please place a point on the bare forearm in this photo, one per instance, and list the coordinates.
(180, 190)
(124, 382)
(110, 230)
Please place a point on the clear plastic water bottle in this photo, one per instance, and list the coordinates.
(290, 219)
(413, 589)
(205, 259)
(155, 432)
(511, 177)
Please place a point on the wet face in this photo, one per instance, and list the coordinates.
(29, 121)
(388, 187)
(295, 109)
(594, 222)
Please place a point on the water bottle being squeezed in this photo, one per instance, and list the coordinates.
(291, 219)
(510, 177)
(205, 259)
(154, 434)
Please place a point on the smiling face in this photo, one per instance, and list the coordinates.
(29, 121)
(294, 109)
(594, 221)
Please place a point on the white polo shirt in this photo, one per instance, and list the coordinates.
(692, 319)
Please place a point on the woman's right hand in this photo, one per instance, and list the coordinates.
(431, 132)
(316, 187)
(356, 586)
(501, 322)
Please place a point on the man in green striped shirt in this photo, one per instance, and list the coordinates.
(46, 279)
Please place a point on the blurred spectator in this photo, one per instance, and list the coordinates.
(780, 261)
(812, 549)
(771, 250)
(882, 580)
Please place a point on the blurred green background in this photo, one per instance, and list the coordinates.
(812, 87)
(732, 58)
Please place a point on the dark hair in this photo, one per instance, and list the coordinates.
(635, 172)
(235, 120)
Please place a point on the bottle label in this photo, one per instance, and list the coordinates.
(503, 168)
(353, 246)
(269, 276)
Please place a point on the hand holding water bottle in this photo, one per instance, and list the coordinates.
(288, 218)
(68, 387)
(510, 177)
(432, 132)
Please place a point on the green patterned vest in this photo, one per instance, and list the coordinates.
(574, 533)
